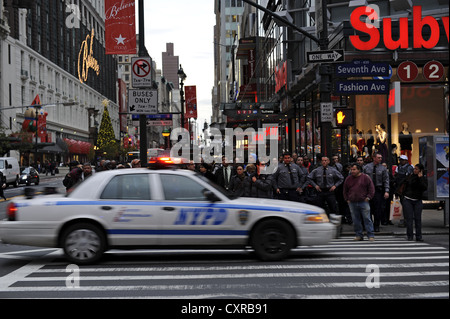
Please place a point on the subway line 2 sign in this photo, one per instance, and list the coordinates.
(370, 26)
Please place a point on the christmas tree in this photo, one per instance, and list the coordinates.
(106, 140)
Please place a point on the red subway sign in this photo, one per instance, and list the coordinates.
(403, 40)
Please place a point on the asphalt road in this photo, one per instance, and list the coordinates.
(390, 268)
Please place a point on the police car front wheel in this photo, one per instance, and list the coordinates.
(272, 239)
(83, 243)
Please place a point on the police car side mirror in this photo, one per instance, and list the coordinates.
(211, 196)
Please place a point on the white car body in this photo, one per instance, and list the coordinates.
(135, 221)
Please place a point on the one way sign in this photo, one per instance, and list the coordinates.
(325, 56)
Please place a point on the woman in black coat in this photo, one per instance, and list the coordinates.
(412, 189)
(240, 183)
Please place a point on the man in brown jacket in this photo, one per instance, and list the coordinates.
(358, 191)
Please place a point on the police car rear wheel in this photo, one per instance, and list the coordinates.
(272, 240)
(83, 243)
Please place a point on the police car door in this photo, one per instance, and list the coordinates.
(188, 217)
(128, 198)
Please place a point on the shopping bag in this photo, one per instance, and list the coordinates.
(396, 209)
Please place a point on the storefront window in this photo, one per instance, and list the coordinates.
(423, 113)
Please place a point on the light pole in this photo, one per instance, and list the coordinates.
(182, 77)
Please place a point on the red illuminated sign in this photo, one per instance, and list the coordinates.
(280, 76)
(403, 41)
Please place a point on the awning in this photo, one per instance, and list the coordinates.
(77, 147)
(54, 149)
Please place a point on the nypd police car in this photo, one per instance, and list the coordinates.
(142, 208)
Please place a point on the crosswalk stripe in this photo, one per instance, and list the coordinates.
(243, 275)
(442, 283)
(341, 264)
(242, 268)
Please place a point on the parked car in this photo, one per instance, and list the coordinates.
(29, 175)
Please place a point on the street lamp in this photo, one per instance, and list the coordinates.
(182, 77)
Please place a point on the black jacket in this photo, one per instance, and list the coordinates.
(240, 186)
(414, 186)
(219, 176)
(262, 187)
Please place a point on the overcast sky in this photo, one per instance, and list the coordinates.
(190, 26)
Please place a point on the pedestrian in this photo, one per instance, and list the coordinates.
(380, 179)
(360, 161)
(87, 171)
(336, 164)
(239, 183)
(358, 191)
(191, 165)
(412, 189)
(299, 162)
(325, 179)
(224, 173)
(2, 185)
(260, 182)
(136, 163)
(403, 170)
(205, 170)
(288, 179)
(72, 178)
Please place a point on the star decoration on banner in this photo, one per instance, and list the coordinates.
(120, 40)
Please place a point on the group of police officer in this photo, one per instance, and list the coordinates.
(321, 185)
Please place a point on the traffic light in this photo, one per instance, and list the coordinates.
(344, 117)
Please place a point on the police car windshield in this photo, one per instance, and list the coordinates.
(215, 186)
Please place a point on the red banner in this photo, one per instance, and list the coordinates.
(191, 101)
(120, 27)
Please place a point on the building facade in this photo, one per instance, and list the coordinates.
(229, 15)
(56, 50)
(282, 74)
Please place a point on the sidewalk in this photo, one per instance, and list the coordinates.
(62, 172)
(432, 224)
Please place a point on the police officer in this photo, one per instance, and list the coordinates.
(380, 178)
(325, 179)
(288, 179)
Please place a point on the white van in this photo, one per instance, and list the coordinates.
(9, 166)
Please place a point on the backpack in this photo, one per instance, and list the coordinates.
(67, 181)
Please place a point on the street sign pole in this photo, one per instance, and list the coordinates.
(325, 72)
(142, 118)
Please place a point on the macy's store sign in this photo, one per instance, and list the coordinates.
(366, 19)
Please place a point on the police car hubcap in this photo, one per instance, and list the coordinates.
(273, 240)
(82, 244)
